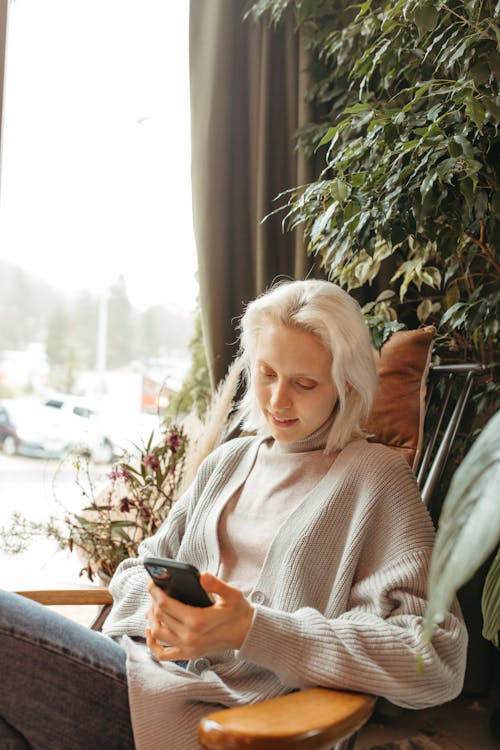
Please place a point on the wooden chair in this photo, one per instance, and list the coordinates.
(319, 718)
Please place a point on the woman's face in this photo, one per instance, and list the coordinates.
(292, 382)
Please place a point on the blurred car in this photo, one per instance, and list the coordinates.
(47, 430)
(89, 436)
(28, 429)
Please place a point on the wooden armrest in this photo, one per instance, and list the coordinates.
(310, 719)
(78, 595)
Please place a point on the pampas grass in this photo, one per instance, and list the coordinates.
(207, 433)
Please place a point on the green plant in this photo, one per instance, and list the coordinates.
(468, 533)
(408, 106)
(195, 392)
(140, 493)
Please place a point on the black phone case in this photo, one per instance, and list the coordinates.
(179, 580)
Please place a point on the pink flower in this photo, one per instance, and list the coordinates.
(173, 440)
(151, 461)
(119, 473)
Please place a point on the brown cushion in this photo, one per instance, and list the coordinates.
(397, 415)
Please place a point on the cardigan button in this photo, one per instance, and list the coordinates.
(257, 597)
(199, 665)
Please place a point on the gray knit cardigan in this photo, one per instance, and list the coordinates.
(339, 601)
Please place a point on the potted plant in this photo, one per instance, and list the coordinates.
(137, 499)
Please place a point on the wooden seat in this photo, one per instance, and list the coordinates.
(318, 718)
(310, 719)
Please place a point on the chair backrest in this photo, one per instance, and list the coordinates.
(457, 387)
(407, 386)
(398, 411)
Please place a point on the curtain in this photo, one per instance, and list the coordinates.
(247, 86)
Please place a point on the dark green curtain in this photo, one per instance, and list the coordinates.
(247, 100)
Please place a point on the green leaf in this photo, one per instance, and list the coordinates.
(452, 295)
(377, 337)
(361, 107)
(469, 525)
(475, 111)
(329, 135)
(425, 18)
(492, 109)
(457, 54)
(363, 9)
(451, 312)
(490, 602)
(339, 189)
(385, 295)
(390, 327)
(423, 89)
(358, 179)
(427, 183)
(323, 220)
(425, 308)
(448, 168)
(413, 143)
(465, 145)
(472, 168)
(434, 112)
(431, 276)
(352, 209)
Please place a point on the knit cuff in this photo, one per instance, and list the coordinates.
(274, 641)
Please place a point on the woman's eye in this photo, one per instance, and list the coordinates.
(266, 374)
(306, 385)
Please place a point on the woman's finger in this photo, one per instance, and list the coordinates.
(160, 652)
(162, 604)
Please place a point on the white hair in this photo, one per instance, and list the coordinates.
(335, 318)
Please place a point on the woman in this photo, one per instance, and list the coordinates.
(312, 541)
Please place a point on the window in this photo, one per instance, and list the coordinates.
(95, 216)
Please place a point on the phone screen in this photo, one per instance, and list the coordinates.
(179, 580)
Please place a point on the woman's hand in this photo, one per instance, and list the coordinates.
(196, 631)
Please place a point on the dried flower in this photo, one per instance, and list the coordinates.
(119, 472)
(124, 505)
(174, 440)
(141, 491)
(151, 461)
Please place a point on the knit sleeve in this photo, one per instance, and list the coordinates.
(128, 585)
(374, 647)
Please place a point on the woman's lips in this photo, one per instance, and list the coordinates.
(281, 422)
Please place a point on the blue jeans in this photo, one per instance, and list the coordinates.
(62, 686)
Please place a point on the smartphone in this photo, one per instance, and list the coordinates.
(180, 580)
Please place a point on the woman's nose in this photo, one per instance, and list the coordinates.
(280, 396)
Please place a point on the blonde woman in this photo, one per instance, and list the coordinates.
(312, 541)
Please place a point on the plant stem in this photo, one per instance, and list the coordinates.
(469, 23)
(480, 243)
